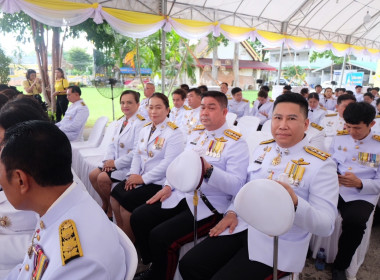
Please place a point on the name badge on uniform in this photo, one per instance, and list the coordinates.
(158, 143)
(369, 159)
(295, 170)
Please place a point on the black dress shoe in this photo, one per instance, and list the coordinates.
(338, 274)
(145, 275)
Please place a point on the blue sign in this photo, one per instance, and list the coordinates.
(354, 79)
(130, 70)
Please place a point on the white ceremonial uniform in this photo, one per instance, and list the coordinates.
(74, 120)
(359, 97)
(316, 212)
(229, 173)
(191, 120)
(241, 108)
(16, 230)
(152, 157)
(267, 108)
(316, 136)
(376, 128)
(329, 104)
(143, 108)
(361, 157)
(316, 115)
(102, 255)
(121, 147)
(331, 123)
(177, 115)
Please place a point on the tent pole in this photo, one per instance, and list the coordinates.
(342, 72)
(280, 64)
(163, 49)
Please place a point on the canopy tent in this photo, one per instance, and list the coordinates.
(337, 25)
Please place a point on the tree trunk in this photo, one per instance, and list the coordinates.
(236, 65)
(214, 72)
(138, 66)
(56, 63)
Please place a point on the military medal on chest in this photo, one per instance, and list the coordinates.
(260, 159)
(215, 147)
(295, 171)
(368, 159)
(277, 159)
(158, 143)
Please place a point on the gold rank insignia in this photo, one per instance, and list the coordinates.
(172, 125)
(376, 137)
(69, 241)
(245, 100)
(141, 118)
(229, 98)
(317, 153)
(221, 139)
(331, 115)
(267, 141)
(83, 104)
(149, 123)
(342, 132)
(199, 127)
(232, 134)
(187, 108)
(316, 126)
(377, 116)
(271, 100)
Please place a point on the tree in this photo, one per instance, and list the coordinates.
(294, 73)
(79, 59)
(4, 67)
(213, 43)
(327, 54)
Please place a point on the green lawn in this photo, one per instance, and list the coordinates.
(100, 106)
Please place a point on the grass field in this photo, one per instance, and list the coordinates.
(100, 106)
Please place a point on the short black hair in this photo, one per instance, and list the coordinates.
(318, 86)
(349, 92)
(203, 88)
(263, 94)
(21, 110)
(30, 72)
(196, 90)
(135, 94)
(28, 146)
(358, 86)
(161, 96)
(377, 101)
(313, 95)
(342, 89)
(358, 112)
(265, 88)
(75, 89)
(375, 88)
(304, 91)
(180, 92)
(370, 95)
(219, 96)
(235, 90)
(288, 87)
(185, 87)
(224, 83)
(344, 97)
(293, 98)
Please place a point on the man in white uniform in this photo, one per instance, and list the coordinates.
(177, 113)
(262, 108)
(73, 238)
(191, 118)
(235, 250)
(148, 92)
(76, 115)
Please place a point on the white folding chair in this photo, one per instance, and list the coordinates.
(267, 126)
(131, 259)
(230, 119)
(95, 136)
(248, 124)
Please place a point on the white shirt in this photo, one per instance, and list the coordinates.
(316, 115)
(177, 115)
(267, 108)
(241, 108)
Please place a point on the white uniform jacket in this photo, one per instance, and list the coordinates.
(16, 230)
(191, 120)
(177, 115)
(152, 157)
(267, 108)
(74, 120)
(359, 97)
(316, 211)
(228, 176)
(241, 108)
(362, 158)
(329, 104)
(143, 108)
(316, 115)
(331, 124)
(103, 256)
(121, 147)
(316, 136)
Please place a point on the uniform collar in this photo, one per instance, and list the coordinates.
(365, 140)
(218, 132)
(294, 149)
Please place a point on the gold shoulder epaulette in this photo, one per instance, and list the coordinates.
(141, 118)
(267, 141)
(187, 107)
(331, 115)
(271, 100)
(172, 125)
(232, 134)
(377, 116)
(245, 100)
(120, 117)
(69, 242)
(316, 126)
(342, 132)
(149, 123)
(83, 103)
(229, 98)
(199, 127)
(376, 137)
(317, 153)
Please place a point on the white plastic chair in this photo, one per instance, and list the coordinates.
(330, 244)
(248, 124)
(230, 119)
(253, 140)
(131, 259)
(95, 136)
(267, 126)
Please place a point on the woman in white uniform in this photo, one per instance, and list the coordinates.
(316, 114)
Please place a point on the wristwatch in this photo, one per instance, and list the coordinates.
(208, 172)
